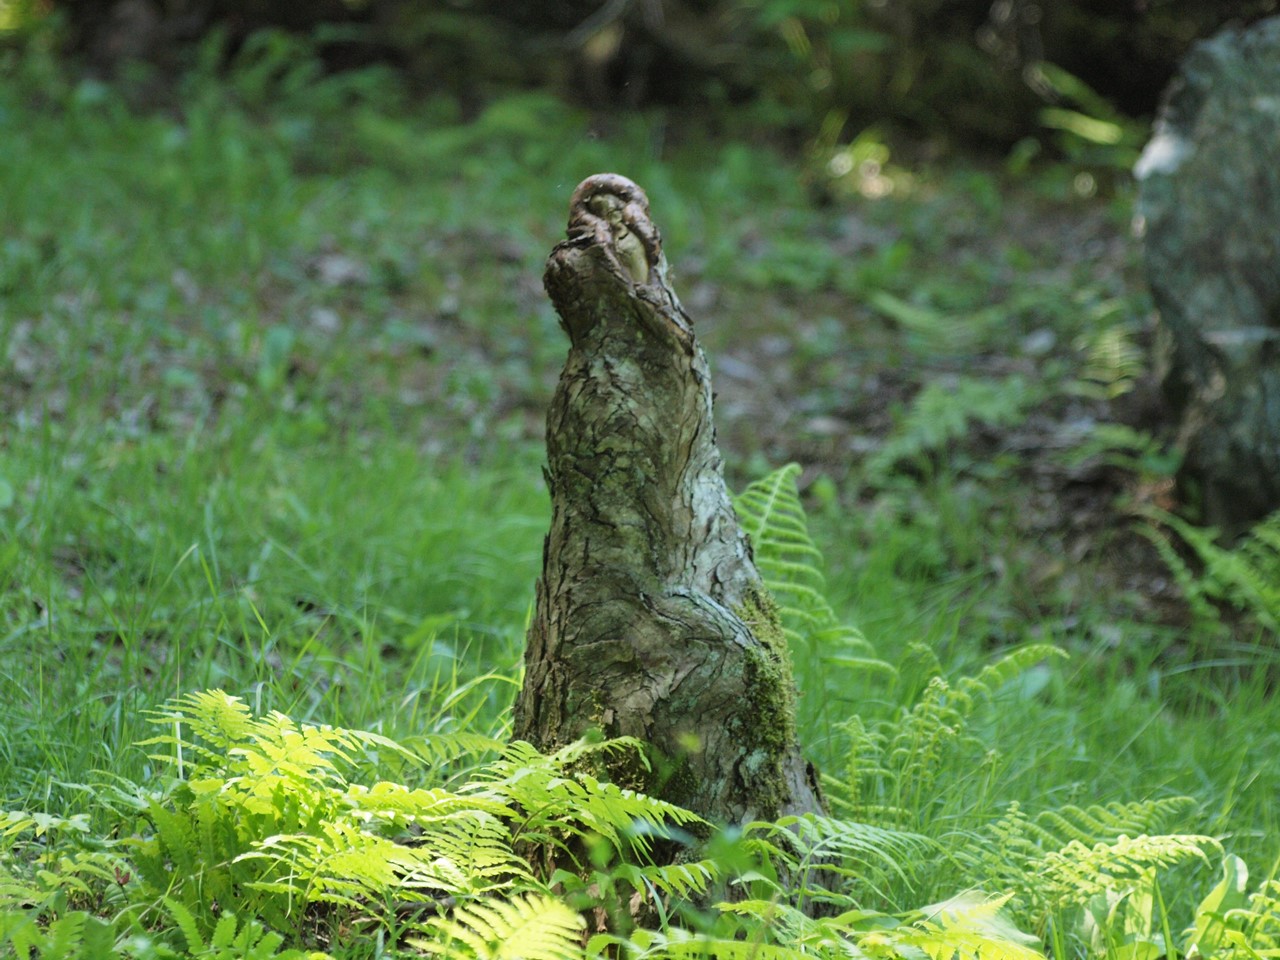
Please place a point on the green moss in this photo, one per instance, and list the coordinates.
(769, 723)
(762, 614)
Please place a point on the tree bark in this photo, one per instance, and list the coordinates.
(651, 620)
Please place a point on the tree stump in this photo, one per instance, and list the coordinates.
(651, 619)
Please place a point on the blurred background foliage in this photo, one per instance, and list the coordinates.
(813, 74)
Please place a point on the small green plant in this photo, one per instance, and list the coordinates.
(944, 411)
(265, 820)
(1245, 576)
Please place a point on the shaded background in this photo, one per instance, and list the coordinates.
(807, 70)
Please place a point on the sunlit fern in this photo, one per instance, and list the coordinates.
(964, 928)
(840, 861)
(273, 814)
(1060, 858)
(287, 823)
(290, 822)
(526, 927)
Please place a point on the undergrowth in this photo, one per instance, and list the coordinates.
(460, 845)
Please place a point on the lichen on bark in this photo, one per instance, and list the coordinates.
(651, 619)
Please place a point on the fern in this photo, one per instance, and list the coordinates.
(1113, 361)
(1060, 859)
(996, 676)
(675, 943)
(275, 819)
(531, 927)
(232, 940)
(964, 928)
(50, 859)
(556, 804)
(1106, 824)
(830, 653)
(1246, 576)
(791, 563)
(894, 764)
(344, 864)
(686, 881)
(942, 413)
(73, 935)
(970, 928)
(297, 826)
(1254, 930)
(1077, 871)
(810, 846)
(938, 331)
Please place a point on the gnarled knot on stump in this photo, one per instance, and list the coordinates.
(609, 219)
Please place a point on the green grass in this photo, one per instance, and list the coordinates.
(273, 374)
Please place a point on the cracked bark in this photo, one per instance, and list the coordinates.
(651, 618)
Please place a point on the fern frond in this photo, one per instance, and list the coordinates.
(1009, 667)
(186, 923)
(212, 715)
(921, 735)
(520, 755)
(918, 739)
(466, 854)
(1104, 824)
(530, 927)
(616, 813)
(968, 928)
(790, 564)
(1246, 576)
(439, 749)
(1077, 872)
(65, 936)
(1113, 360)
(684, 880)
(675, 943)
(398, 805)
(557, 801)
(217, 731)
(816, 850)
(771, 512)
(943, 411)
(1193, 589)
(786, 556)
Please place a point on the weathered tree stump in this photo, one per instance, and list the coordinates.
(651, 620)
